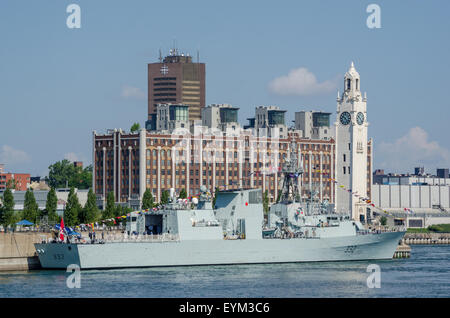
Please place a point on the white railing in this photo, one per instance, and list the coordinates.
(123, 237)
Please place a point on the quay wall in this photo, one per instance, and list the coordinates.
(17, 250)
(426, 238)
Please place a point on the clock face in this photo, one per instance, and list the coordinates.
(360, 118)
(345, 118)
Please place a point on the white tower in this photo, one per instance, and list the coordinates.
(351, 147)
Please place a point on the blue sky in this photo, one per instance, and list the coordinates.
(58, 84)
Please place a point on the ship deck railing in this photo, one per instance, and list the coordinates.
(123, 238)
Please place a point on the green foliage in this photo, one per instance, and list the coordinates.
(90, 213)
(266, 202)
(73, 209)
(7, 210)
(11, 184)
(383, 220)
(110, 208)
(418, 230)
(279, 196)
(183, 194)
(51, 205)
(64, 171)
(147, 200)
(135, 127)
(165, 197)
(440, 228)
(30, 207)
(216, 192)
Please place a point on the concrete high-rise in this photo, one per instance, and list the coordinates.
(176, 80)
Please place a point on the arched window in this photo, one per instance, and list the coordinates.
(357, 84)
(349, 83)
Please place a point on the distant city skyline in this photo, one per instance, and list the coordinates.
(60, 84)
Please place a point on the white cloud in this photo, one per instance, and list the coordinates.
(11, 156)
(71, 156)
(412, 150)
(301, 82)
(132, 92)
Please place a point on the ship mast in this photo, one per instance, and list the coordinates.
(292, 170)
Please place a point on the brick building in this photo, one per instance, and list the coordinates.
(176, 80)
(20, 180)
(127, 164)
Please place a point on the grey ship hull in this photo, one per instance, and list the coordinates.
(218, 252)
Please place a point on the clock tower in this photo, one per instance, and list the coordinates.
(351, 147)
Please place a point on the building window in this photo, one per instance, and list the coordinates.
(344, 157)
(344, 170)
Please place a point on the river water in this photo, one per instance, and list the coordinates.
(425, 274)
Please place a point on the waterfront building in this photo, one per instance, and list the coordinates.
(379, 177)
(269, 121)
(313, 124)
(352, 147)
(415, 200)
(126, 164)
(223, 117)
(172, 116)
(176, 80)
(21, 180)
(442, 173)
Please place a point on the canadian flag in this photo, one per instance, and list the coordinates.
(61, 230)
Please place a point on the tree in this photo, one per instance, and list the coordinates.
(147, 200)
(7, 210)
(30, 207)
(109, 210)
(266, 202)
(165, 197)
(64, 173)
(82, 178)
(216, 192)
(183, 194)
(11, 184)
(383, 220)
(51, 205)
(279, 195)
(73, 209)
(135, 127)
(90, 212)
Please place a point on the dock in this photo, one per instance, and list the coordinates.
(427, 238)
(402, 251)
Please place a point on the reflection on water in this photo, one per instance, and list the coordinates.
(425, 274)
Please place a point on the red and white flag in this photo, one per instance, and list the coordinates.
(61, 230)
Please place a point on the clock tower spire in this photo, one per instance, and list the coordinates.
(351, 147)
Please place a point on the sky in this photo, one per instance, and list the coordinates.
(58, 84)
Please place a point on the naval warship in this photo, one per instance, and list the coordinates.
(233, 231)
